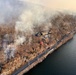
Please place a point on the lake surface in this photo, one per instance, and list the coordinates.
(60, 62)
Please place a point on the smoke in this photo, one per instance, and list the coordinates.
(33, 17)
(20, 40)
(10, 10)
(27, 16)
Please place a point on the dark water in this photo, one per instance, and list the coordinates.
(60, 62)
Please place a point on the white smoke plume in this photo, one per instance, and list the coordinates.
(27, 15)
(32, 17)
(10, 10)
(20, 40)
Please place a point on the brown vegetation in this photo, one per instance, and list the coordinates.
(62, 24)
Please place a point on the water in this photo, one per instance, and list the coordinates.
(60, 62)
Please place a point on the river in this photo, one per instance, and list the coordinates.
(60, 62)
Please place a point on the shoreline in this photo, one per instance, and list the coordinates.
(25, 68)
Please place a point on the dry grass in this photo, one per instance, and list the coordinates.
(62, 24)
